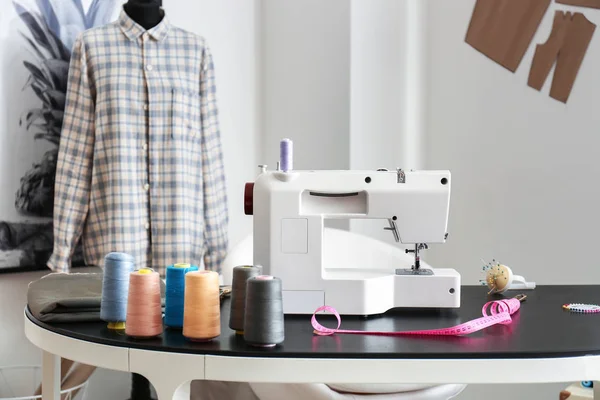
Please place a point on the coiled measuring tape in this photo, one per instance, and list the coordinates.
(582, 308)
(500, 310)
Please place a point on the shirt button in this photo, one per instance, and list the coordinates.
(145, 107)
(149, 67)
(145, 146)
(147, 226)
(147, 187)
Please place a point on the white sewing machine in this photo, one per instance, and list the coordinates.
(289, 209)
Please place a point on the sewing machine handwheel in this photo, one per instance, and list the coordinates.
(249, 198)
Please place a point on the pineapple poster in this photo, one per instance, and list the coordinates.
(36, 39)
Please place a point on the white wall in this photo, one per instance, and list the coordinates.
(386, 84)
(305, 75)
(385, 91)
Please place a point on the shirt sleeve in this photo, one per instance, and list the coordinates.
(213, 171)
(74, 164)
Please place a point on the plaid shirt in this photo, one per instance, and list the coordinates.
(140, 164)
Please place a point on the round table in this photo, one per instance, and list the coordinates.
(543, 344)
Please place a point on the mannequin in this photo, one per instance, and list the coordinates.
(147, 13)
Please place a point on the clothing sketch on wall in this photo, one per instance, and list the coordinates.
(52, 27)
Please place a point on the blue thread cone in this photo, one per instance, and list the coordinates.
(175, 295)
(115, 286)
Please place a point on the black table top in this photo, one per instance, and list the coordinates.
(540, 329)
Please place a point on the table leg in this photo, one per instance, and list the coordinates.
(165, 391)
(50, 376)
(140, 387)
(596, 389)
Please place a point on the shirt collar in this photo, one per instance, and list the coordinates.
(133, 30)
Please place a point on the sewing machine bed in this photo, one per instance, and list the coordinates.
(541, 328)
(355, 273)
(367, 273)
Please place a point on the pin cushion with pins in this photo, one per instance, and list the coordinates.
(499, 278)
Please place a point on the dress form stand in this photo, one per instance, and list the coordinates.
(148, 14)
(140, 388)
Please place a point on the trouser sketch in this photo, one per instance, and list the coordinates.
(567, 44)
(503, 29)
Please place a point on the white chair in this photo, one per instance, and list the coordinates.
(364, 251)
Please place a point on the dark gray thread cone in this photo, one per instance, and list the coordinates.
(263, 321)
(238, 295)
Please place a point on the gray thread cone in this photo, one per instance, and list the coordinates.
(238, 295)
(264, 319)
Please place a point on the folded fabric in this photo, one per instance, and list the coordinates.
(62, 297)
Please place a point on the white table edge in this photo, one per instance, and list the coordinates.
(168, 370)
(100, 355)
(408, 371)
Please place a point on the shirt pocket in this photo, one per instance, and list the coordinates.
(186, 115)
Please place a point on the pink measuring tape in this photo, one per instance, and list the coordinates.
(500, 313)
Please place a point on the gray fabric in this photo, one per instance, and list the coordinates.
(61, 297)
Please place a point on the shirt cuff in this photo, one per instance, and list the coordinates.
(213, 261)
(59, 262)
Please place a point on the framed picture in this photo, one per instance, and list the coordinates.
(41, 36)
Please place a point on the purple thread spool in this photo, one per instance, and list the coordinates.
(286, 155)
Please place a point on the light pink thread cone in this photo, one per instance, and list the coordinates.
(144, 312)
